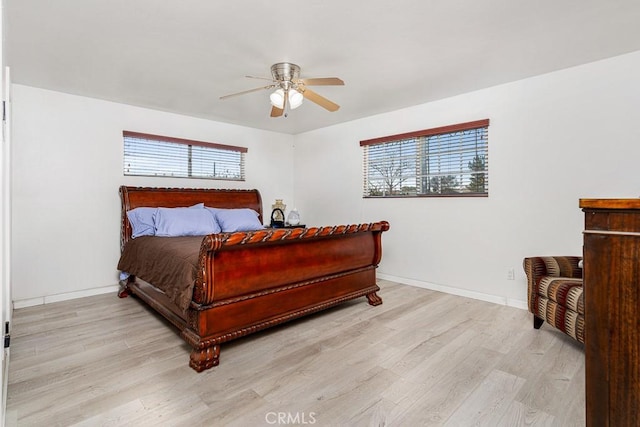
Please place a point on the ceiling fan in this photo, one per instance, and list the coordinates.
(291, 89)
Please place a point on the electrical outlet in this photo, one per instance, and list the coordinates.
(511, 274)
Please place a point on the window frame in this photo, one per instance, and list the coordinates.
(398, 138)
(190, 143)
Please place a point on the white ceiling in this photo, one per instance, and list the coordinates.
(181, 56)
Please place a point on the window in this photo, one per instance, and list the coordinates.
(445, 161)
(154, 155)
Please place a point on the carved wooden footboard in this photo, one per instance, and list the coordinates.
(249, 281)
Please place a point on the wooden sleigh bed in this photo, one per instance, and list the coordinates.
(251, 280)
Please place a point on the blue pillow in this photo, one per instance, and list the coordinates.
(172, 222)
(141, 220)
(213, 210)
(231, 220)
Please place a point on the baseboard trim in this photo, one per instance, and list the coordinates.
(48, 299)
(455, 291)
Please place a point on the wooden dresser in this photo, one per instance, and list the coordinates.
(612, 311)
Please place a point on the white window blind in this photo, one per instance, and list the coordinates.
(155, 155)
(447, 161)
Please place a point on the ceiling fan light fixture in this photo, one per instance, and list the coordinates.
(295, 99)
(277, 98)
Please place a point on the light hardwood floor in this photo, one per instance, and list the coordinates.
(421, 358)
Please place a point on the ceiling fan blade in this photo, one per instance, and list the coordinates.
(320, 100)
(323, 81)
(261, 78)
(247, 91)
(276, 112)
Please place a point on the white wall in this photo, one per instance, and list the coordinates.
(553, 139)
(67, 167)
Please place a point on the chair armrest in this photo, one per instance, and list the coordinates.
(556, 266)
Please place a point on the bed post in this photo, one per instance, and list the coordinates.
(205, 353)
(374, 299)
(204, 358)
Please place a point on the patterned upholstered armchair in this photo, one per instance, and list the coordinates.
(555, 293)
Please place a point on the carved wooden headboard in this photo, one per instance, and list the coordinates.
(134, 197)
